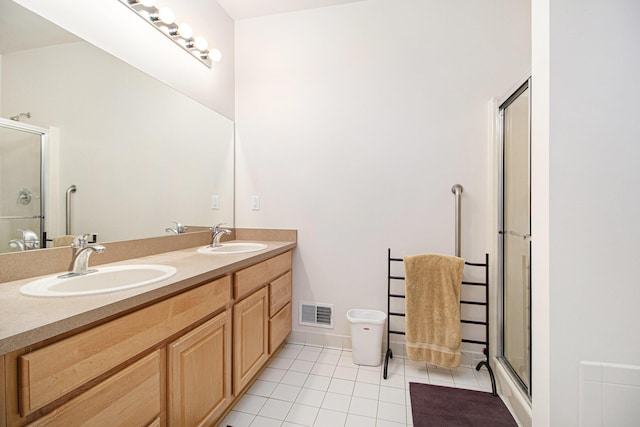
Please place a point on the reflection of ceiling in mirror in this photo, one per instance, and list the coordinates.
(243, 9)
(21, 29)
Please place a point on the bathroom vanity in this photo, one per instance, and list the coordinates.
(178, 352)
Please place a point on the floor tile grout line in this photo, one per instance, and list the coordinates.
(345, 360)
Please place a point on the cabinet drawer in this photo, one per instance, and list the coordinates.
(251, 278)
(279, 327)
(131, 397)
(53, 371)
(279, 293)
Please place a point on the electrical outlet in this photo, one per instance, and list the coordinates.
(215, 202)
(255, 203)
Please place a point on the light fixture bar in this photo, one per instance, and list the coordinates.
(163, 19)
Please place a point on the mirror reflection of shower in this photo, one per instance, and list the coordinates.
(17, 117)
(22, 148)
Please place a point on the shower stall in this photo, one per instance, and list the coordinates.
(22, 201)
(515, 237)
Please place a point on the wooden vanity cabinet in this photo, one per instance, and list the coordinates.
(199, 380)
(3, 390)
(119, 368)
(182, 361)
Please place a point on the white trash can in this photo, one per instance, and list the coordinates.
(366, 336)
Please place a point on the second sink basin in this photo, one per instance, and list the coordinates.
(233, 248)
(104, 280)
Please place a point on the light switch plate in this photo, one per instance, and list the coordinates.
(255, 203)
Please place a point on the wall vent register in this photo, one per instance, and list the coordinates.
(316, 314)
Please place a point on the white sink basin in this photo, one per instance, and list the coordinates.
(233, 248)
(104, 280)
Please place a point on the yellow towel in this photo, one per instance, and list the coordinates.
(62, 241)
(432, 309)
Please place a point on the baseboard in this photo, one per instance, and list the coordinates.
(468, 358)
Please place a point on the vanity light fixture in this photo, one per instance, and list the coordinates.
(164, 20)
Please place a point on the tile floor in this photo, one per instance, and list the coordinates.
(316, 386)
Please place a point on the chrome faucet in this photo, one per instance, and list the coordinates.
(80, 261)
(29, 241)
(216, 234)
(179, 228)
(17, 244)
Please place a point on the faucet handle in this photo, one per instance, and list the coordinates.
(30, 239)
(27, 234)
(216, 227)
(180, 228)
(80, 241)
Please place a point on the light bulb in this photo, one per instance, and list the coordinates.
(200, 43)
(215, 55)
(185, 31)
(166, 15)
(147, 3)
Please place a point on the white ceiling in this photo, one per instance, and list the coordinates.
(243, 9)
(21, 29)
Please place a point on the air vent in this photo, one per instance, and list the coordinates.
(315, 314)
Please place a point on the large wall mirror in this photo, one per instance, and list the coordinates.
(139, 153)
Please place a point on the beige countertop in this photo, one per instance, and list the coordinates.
(27, 320)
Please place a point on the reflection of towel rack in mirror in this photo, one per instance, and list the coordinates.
(71, 189)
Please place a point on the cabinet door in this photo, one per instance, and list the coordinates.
(132, 397)
(199, 382)
(250, 337)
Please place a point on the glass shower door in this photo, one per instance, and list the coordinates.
(21, 178)
(515, 237)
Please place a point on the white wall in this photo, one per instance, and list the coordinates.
(540, 320)
(115, 29)
(354, 122)
(593, 135)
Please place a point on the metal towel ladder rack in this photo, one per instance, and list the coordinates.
(457, 190)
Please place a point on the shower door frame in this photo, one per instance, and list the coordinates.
(44, 141)
(526, 390)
